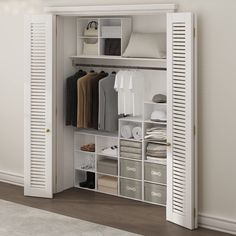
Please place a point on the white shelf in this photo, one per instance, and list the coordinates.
(131, 159)
(100, 173)
(88, 37)
(110, 37)
(96, 132)
(85, 152)
(155, 122)
(122, 177)
(105, 155)
(155, 103)
(155, 162)
(132, 119)
(97, 57)
(131, 139)
(157, 60)
(119, 61)
(151, 182)
(85, 170)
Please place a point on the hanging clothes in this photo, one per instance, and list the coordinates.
(84, 100)
(120, 91)
(71, 98)
(108, 104)
(95, 98)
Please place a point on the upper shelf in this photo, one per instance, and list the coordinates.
(120, 61)
(112, 10)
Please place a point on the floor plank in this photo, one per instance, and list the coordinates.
(125, 214)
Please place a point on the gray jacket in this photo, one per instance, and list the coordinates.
(108, 104)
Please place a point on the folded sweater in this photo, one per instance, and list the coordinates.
(131, 150)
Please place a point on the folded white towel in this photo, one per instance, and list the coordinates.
(137, 133)
(126, 131)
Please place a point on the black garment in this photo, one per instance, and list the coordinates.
(71, 98)
(95, 96)
(112, 47)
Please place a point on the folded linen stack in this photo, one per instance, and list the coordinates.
(156, 133)
(107, 184)
(156, 150)
(130, 149)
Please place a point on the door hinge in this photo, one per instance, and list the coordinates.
(194, 212)
(194, 130)
(194, 32)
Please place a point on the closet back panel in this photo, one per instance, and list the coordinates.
(149, 23)
(155, 82)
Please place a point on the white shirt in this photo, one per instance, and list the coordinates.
(118, 87)
(129, 85)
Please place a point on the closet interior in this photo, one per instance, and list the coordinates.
(110, 104)
(126, 154)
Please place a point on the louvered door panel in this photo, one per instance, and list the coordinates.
(180, 154)
(38, 106)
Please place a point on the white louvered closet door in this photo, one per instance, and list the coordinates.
(181, 152)
(38, 106)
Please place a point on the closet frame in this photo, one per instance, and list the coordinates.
(48, 184)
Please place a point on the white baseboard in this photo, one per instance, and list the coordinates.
(217, 223)
(11, 178)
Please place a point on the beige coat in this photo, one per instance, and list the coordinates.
(84, 100)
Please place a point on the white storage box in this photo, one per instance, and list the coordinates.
(111, 32)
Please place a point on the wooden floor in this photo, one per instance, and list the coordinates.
(132, 216)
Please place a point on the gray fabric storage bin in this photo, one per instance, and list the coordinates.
(131, 169)
(107, 166)
(155, 193)
(131, 188)
(155, 173)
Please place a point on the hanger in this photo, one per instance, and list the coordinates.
(113, 72)
(92, 71)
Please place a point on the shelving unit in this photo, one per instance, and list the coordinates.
(131, 182)
(108, 28)
(137, 179)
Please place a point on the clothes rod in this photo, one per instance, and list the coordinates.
(121, 67)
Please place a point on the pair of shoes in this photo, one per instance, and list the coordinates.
(113, 151)
(90, 182)
(88, 147)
